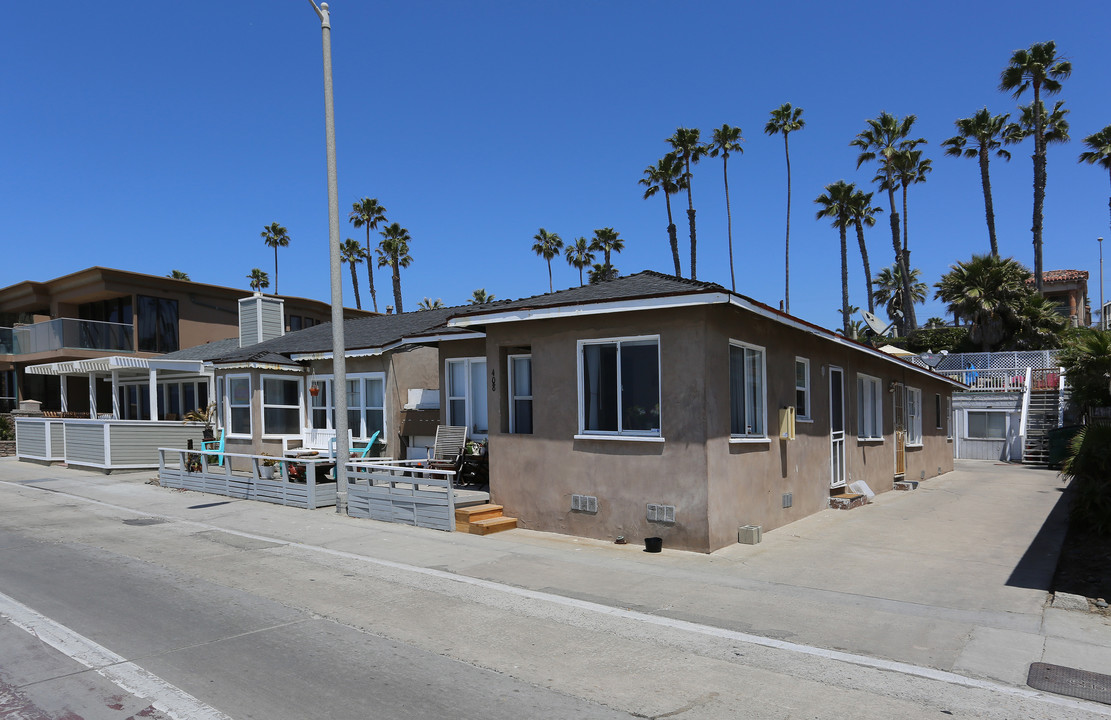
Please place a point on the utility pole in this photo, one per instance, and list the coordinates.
(339, 360)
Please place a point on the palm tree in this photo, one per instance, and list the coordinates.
(547, 246)
(1039, 324)
(835, 203)
(687, 147)
(1039, 68)
(881, 141)
(786, 119)
(890, 290)
(987, 291)
(727, 139)
(430, 304)
(863, 213)
(1099, 152)
(259, 280)
(1053, 128)
(368, 213)
(352, 253)
(934, 323)
(606, 241)
(580, 256)
(667, 175)
(910, 169)
(275, 236)
(481, 297)
(986, 131)
(393, 251)
(178, 275)
(601, 273)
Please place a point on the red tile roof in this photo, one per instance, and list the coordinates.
(1060, 276)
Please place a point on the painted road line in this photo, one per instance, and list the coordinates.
(163, 696)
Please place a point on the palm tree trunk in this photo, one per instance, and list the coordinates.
(989, 210)
(355, 285)
(370, 270)
(729, 222)
(787, 242)
(550, 288)
(907, 321)
(690, 219)
(397, 285)
(1039, 184)
(672, 235)
(276, 270)
(580, 275)
(844, 280)
(867, 268)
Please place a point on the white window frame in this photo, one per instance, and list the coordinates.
(869, 393)
(655, 435)
(300, 406)
(468, 396)
(229, 380)
(805, 388)
(761, 436)
(513, 397)
(1006, 425)
(937, 408)
(949, 418)
(914, 419)
(327, 389)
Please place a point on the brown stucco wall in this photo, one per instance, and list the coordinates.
(715, 485)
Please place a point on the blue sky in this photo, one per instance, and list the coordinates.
(153, 136)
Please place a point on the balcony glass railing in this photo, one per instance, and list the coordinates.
(66, 333)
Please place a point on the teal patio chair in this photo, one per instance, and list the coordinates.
(216, 447)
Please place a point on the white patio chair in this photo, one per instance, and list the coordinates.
(448, 448)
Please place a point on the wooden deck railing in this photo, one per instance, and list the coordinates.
(194, 470)
(401, 491)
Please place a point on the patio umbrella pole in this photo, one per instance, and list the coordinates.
(339, 364)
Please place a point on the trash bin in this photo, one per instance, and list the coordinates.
(1059, 439)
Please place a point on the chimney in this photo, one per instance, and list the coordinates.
(389, 309)
(260, 318)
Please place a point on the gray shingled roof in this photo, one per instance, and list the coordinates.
(208, 351)
(384, 330)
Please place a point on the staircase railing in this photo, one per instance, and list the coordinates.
(1023, 417)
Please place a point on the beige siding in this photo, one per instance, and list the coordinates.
(138, 444)
(85, 443)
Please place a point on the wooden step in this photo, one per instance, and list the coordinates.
(491, 525)
(473, 513)
(847, 501)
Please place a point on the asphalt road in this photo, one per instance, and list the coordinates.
(212, 601)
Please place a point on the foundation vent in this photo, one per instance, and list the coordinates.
(584, 503)
(661, 513)
(788, 499)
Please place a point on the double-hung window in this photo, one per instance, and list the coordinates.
(366, 410)
(466, 394)
(914, 416)
(802, 388)
(520, 394)
(239, 405)
(281, 405)
(747, 391)
(619, 387)
(869, 408)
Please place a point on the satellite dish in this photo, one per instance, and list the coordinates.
(875, 323)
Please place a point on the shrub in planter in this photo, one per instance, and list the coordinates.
(7, 428)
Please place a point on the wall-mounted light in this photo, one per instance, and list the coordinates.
(892, 386)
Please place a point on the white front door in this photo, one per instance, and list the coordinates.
(837, 426)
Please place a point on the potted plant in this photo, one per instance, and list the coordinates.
(193, 463)
(206, 416)
(266, 466)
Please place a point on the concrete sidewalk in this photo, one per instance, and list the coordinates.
(952, 576)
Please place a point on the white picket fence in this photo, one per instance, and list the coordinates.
(401, 492)
(315, 492)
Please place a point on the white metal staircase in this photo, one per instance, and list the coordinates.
(1042, 414)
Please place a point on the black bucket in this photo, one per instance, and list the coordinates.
(653, 544)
